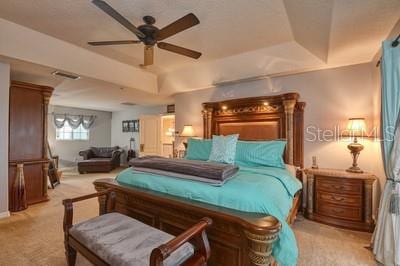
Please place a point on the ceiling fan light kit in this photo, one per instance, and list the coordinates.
(150, 35)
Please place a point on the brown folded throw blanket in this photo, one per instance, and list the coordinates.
(209, 172)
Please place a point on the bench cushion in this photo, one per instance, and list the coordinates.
(121, 240)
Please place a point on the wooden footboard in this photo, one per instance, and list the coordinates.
(236, 238)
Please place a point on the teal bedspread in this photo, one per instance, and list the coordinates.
(265, 190)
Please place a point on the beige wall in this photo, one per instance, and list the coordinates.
(67, 150)
(332, 96)
(4, 103)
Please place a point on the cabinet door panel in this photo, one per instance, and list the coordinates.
(26, 124)
(34, 182)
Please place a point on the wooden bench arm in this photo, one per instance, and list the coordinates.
(196, 235)
(69, 209)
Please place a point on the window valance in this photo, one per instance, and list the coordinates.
(73, 120)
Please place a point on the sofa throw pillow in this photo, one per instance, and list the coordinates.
(198, 149)
(223, 149)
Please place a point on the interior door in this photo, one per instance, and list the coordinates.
(167, 135)
(150, 135)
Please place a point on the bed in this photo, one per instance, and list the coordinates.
(237, 237)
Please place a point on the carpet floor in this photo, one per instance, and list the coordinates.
(35, 237)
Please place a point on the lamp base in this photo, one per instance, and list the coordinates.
(354, 169)
(355, 149)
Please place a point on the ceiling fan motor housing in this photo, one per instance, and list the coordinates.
(149, 30)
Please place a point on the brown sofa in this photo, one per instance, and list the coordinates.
(97, 160)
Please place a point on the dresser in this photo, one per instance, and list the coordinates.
(340, 198)
(28, 139)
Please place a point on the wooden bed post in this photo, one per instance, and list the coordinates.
(207, 118)
(260, 248)
(289, 111)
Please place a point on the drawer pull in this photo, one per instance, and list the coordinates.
(338, 187)
(337, 198)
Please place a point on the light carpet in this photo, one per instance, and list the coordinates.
(35, 236)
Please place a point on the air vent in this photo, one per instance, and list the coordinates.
(65, 75)
(128, 104)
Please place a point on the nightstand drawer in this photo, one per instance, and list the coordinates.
(339, 199)
(338, 186)
(341, 212)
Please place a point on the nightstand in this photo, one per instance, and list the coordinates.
(340, 198)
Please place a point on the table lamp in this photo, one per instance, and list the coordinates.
(187, 132)
(356, 128)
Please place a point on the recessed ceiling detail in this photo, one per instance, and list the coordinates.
(238, 39)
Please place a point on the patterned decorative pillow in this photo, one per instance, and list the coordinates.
(223, 149)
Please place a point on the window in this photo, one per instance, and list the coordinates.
(67, 133)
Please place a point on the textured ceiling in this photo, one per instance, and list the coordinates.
(226, 28)
(325, 27)
(238, 38)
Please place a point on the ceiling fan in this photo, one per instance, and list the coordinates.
(149, 34)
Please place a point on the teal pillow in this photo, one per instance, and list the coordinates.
(198, 149)
(260, 153)
(223, 149)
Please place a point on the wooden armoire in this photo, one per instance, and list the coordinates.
(28, 138)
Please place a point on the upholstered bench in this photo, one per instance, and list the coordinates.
(116, 239)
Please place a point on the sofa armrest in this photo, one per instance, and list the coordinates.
(116, 153)
(86, 154)
(115, 157)
(195, 235)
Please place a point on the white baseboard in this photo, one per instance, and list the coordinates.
(4, 214)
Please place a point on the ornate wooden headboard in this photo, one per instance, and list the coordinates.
(260, 118)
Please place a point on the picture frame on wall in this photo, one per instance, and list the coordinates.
(125, 126)
(136, 126)
(130, 126)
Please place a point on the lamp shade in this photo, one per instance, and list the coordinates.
(187, 131)
(356, 127)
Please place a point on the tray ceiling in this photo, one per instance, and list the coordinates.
(319, 34)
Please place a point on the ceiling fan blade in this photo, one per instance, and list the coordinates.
(148, 55)
(179, 50)
(112, 42)
(118, 17)
(179, 25)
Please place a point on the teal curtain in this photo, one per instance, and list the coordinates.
(390, 72)
(386, 238)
